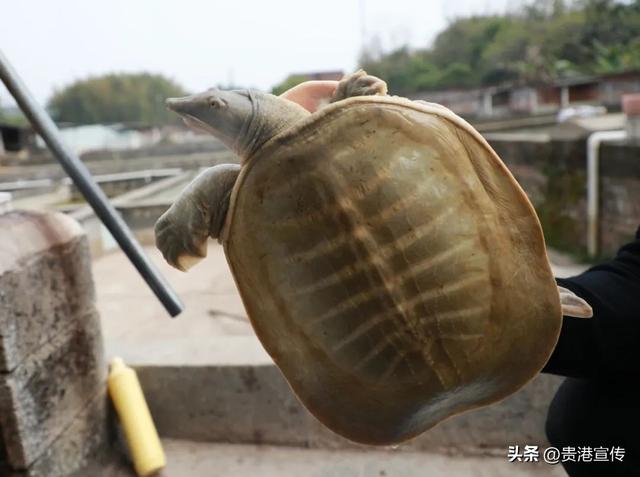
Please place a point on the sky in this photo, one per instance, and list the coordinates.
(201, 43)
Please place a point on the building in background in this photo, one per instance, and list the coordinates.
(16, 139)
(93, 137)
(538, 98)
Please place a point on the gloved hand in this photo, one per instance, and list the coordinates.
(311, 94)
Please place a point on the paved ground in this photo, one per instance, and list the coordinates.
(185, 458)
(136, 327)
(564, 266)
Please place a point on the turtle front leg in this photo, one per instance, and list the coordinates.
(198, 213)
(359, 84)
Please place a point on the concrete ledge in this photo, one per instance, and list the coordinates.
(44, 281)
(37, 232)
(53, 408)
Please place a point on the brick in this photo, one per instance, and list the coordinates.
(53, 402)
(45, 281)
(83, 449)
(43, 395)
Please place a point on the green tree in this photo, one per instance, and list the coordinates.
(13, 117)
(404, 70)
(612, 32)
(464, 40)
(288, 83)
(541, 41)
(116, 98)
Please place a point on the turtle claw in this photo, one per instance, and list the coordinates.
(359, 84)
(572, 305)
(179, 246)
(185, 262)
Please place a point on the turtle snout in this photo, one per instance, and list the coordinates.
(179, 105)
(197, 103)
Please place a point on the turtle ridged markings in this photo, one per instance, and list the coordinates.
(358, 279)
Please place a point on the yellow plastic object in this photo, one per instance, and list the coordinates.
(139, 430)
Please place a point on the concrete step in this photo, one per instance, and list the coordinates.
(194, 459)
(253, 404)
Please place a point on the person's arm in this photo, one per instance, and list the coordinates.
(608, 344)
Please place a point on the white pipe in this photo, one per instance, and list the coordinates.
(593, 180)
(564, 97)
(487, 103)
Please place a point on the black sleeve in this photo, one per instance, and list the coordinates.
(608, 344)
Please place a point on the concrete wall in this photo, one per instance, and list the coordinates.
(120, 183)
(158, 150)
(53, 405)
(620, 193)
(553, 174)
(52, 169)
(254, 404)
(143, 216)
(44, 156)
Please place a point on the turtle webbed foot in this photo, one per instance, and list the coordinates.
(359, 84)
(181, 246)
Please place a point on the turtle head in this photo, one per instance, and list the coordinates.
(225, 114)
(242, 119)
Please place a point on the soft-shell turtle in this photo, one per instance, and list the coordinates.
(389, 262)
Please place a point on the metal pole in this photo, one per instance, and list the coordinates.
(81, 177)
